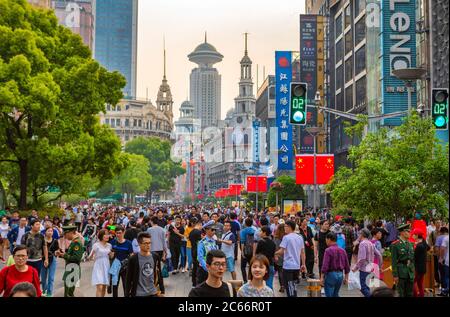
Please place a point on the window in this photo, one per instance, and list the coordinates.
(348, 42)
(360, 31)
(359, 6)
(361, 92)
(140, 123)
(135, 123)
(348, 16)
(340, 102)
(338, 26)
(349, 98)
(349, 69)
(107, 121)
(108, 107)
(118, 122)
(339, 50)
(339, 77)
(127, 122)
(360, 60)
(113, 123)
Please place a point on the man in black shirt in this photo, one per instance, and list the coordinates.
(195, 236)
(213, 286)
(176, 234)
(267, 247)
(161, 221)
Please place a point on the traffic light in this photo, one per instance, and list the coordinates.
(297, 113)
(439, 108)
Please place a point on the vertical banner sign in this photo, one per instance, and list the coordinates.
(256, 126)
(283, 73)
(308, 74)
(398, 42)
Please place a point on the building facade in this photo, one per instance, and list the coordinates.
(115, 42)
(40, 3)
(205, 84)
(77, 15)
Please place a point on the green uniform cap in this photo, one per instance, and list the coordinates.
(69, 228)
(404, 227)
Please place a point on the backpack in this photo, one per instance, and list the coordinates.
(248, 246)
(341, 241)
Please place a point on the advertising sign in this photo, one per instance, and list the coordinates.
(291, 207)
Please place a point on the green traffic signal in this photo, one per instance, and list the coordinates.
(439, 108)
(297, 113)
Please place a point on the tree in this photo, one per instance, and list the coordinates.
(162, 169)
(289, 190)
(51, 91)
(396, 172)
(135, 179)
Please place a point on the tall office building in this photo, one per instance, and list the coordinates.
(115, 42)
(206, 84)
(77, 15)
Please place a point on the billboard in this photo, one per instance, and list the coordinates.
(291, 207)
(398, 51)
(283, 79)
(312, 73)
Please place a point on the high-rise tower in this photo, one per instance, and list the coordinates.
(205, 82)
(164, 100)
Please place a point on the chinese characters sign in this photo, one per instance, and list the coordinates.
(283, 70)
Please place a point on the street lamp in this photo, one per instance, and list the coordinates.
(409, 76)
(314, 131)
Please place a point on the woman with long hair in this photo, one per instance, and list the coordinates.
(101, 250)
(48, 273)
(277, 238)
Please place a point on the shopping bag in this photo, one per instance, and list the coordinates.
(164, 271)
(353, 281)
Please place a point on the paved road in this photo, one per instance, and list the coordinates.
(177, 285)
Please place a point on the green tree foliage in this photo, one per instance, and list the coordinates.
(396, 172)
(162, 169)
(290, 190)
(135, 179)
(51, 92)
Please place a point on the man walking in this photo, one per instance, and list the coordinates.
(159, 247)
(403, 262)
(227, 245)
(204, 246)
(292, 248)
(36, 246)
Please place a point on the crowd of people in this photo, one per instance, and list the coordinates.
(136, 248)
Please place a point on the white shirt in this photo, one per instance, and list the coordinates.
(4, 228)
(20, 235)
(444, 246)
(292, 244)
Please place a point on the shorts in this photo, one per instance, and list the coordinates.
(230, 264)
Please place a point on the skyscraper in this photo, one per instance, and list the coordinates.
(77, 15)
(115, 42)
(206, 84)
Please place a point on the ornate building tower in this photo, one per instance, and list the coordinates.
(164, 101)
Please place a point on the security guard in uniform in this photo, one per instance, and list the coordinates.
(72, 272)
(403, 262)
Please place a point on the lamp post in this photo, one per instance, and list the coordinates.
(314, 131)
(409, 76)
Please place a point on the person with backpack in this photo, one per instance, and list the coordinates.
(337, 230)
(247, 246)
(349, 234)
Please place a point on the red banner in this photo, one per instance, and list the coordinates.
(304, 169)
(324, 168)
(235, 189)
(256, 184)
(262, 184)
(251, 184)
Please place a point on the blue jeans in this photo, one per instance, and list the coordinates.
(189, 257)
(445, 279)
(47, 277)
(332, 283)
(365, 290)
(269, 281)
(38, 265)
(183, 256)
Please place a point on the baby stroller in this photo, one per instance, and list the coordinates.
(88, 243)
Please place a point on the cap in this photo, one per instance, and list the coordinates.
(336, 228)
(209, 225)
(69, 228)
(312, 220)
(403, 227)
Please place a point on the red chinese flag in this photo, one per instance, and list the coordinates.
(262, 184)
(304, 169)
(251, 184)
(235, 189)
(225, 192)
(324, 168)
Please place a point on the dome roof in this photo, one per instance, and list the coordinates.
(187, 105)
(205, 54)
(205, 47)
(246, 60)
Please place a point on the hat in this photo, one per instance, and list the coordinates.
(209, 225)
(69, 228)
(312, 220)
(403, 227)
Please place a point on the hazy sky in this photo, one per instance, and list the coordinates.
(271, 24)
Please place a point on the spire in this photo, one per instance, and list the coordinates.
(164, 44)
(206, 37)
(246, 40)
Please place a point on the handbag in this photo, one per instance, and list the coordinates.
(164, 271)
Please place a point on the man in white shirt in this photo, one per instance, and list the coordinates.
(443, 260)
(21, 230)
(292, 247)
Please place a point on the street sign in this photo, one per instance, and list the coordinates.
(439, 108)
(297, 109)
